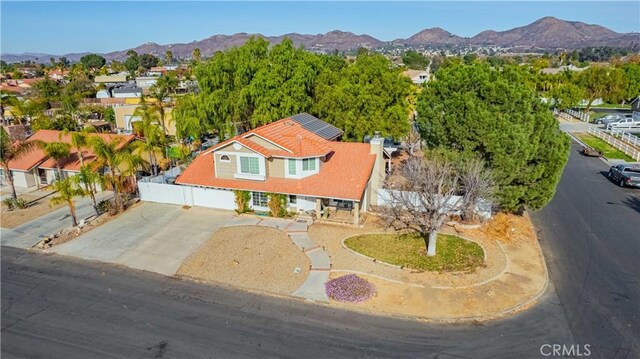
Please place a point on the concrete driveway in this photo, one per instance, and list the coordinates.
(153, 237)
(30, 233)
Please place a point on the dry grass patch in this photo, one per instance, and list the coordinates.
(453, 254)
(251, 257)
(505, 227)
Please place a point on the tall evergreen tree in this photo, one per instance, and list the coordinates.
(494, 113)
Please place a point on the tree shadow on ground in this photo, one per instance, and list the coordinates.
(633, 202)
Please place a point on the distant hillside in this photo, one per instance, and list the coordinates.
(547, 33)
(433, 36)
(552, 33)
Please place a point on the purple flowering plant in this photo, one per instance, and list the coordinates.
(350, 289)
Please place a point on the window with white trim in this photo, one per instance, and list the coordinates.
(225, 158)
(260, 199)
(249, 165)
(308, 164)
(292, 166)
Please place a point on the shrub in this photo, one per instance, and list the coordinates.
(277, 205)
(12, 204)
(106, 206)
(242, 201)
(20, 203)
(350, 289)
(9, 203)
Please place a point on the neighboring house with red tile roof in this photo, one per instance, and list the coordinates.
(284, 157)
(36, 168)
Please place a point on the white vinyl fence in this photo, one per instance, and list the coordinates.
(567, 114)
(155, 189)
(624, 141)
(483, 208)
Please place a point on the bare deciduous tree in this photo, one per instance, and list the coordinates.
(422, 202)
(413, 140)
(477, 183)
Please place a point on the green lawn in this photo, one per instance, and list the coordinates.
(607, 150)
(453, 253)
(610, 105)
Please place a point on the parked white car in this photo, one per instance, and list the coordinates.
(624, 124)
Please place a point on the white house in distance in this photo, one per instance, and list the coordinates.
(418, 77)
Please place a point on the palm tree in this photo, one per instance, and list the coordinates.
(10, 151)
(153, 137)
(80, 140)
(165, 86)
(89, 178)
(66, 190)
(58, 151)
(120, 160)
(196, 54)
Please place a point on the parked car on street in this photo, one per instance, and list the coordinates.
(605, 120)
(625, 175)
(626, 123)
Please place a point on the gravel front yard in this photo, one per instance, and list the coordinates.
(252, 257)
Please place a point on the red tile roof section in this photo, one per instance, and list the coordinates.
(344, 175)
(38, 157)
(287, 134)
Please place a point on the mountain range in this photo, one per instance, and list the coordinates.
(547, 33)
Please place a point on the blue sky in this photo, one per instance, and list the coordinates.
(63, 27)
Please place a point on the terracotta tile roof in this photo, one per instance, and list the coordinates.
(343, 176)
(294, 140)
(37, 157)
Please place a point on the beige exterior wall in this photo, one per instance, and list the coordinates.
(276, 167)
(264, 143)
(226, 170)
(229, 148)
(122, 112)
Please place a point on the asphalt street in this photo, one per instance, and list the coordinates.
(590, 235)
(58, 307)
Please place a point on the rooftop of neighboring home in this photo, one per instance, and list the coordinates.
(557, 70)
(37, 156)
(343, 175)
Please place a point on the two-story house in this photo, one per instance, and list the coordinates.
(296, 158)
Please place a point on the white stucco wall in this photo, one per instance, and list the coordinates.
(23, 179)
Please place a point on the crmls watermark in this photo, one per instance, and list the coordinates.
(564, 350)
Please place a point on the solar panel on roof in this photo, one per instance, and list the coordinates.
(317, 126)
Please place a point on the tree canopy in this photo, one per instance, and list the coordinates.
(93, 61)
(253, 85)
(414, 60)
(497, 115)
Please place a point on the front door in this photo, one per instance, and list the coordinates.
(42, 173)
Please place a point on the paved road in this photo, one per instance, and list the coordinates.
(59, 307)
(590, 235)
(29, 234)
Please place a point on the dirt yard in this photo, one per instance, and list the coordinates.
(38, 206)
(251, 257)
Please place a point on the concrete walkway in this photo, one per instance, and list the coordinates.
(313, 287)
(30, 233)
